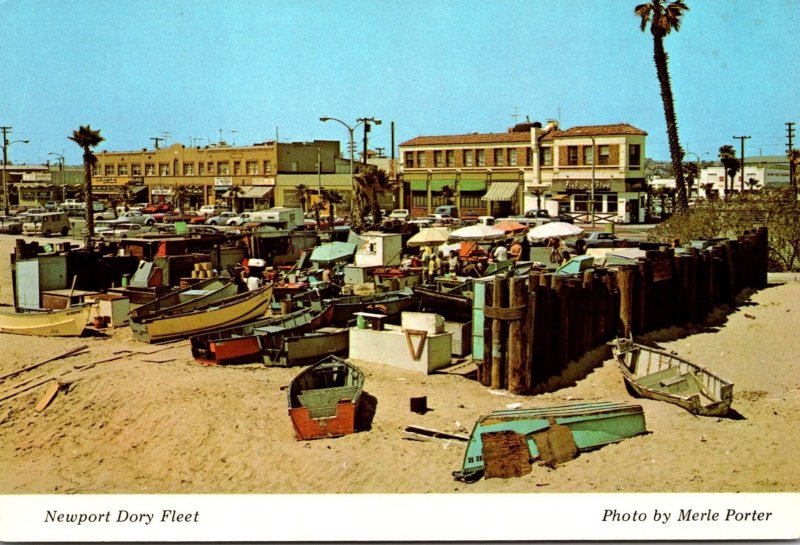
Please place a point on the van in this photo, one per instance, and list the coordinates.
(208, 210)
(47, 223)
(447, 210)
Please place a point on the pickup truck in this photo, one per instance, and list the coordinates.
(601, 239)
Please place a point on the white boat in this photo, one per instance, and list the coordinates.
(69, 322)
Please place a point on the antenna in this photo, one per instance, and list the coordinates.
(156, 139)
(515, 115)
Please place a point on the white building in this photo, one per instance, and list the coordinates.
(713, 179)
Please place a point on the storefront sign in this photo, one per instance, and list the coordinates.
(161, 191)
(223, 182)
(36, 177)
(586, 185)
(264, 181)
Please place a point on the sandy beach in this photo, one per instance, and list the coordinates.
(147, 419)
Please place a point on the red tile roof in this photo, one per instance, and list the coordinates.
(474, 138)
(596, 130)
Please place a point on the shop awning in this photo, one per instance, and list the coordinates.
(256, 192)
(501, 191)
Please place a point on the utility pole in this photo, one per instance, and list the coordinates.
(367, 128)
(156, 139)
(5, 130)
(790, 134)
(741, 171)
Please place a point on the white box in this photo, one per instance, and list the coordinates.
(422, 321)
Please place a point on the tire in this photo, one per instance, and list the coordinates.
(150, 222)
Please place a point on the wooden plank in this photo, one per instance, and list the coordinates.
(426, 433)
(48, 360)
(505, 455)
(47, 397)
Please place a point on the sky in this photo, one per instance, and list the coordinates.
(244, 71)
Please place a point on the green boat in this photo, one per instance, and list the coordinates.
(593, 425)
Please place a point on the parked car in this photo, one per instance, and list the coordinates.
(124, 230)
(209, 210)
(186, 216)
(400, 213)
(16, 209)
(221, 218)
(446, 210)
(51, 206)
(241, 219)
(107, 214)
(601, 239)
(160, 208)
(10, 225)
(135, 216)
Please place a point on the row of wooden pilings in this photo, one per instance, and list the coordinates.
(535, 325)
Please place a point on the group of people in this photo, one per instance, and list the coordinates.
(559, 253)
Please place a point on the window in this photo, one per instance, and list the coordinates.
(267, 167)
(467, 157)
(149, 169)
(512, 157)
(572, 155)
(611, 202)
(547, 157)
(122, 169)
(419, 200)
(451, 158)
(237, 168)
(223, 168)
(634, 156)
(422, 160)
(252, 167)
(409, 159)
(210, 167)
(163, 169)
(201, 168)
(471, 200)
(188, 169)
(136, 169)
(604, 154)
(95, 172)
(438, 158)
(480, 156)
(109, 171)
(588, 155)
(498, 158)
(528, 156)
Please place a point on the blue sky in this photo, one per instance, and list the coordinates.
(253, 70)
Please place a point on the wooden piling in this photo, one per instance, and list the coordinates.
(625, 282)
(498, 374)
(517, 336)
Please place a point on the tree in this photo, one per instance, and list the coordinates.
(371, 183)
(331, 197)
(88, 138)
(794, 160)
(664, 19)
(234, 193)
(690, 170)
(302, 195)
(727, 155)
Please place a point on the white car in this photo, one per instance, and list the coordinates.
(241, 219)
(221, 219)
(400, 213)
(209, 210)
(135, 216)
(123, 230)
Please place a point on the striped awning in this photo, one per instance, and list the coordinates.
(501, 191)
(256, 192)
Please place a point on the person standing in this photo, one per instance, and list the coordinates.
(500, 252)
(515, 252)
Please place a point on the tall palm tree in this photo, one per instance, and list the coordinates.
(373, 182)
(302, 195)
(235, 192)
(727, 155)
(331, 197)
(663, 19)
(88, 138)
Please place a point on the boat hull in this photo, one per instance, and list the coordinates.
(217, 315)
(304, 348)
(185, 299)
(453, 306)
(324, 399)
(593, 425)
(389, 303)
(654, 374)
(61, 323)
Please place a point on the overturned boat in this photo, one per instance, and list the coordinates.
(655, 374)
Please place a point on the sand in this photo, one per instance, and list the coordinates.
(150, 420)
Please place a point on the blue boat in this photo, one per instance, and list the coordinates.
(593, 425)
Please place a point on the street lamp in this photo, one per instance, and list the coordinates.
(366, 121)
(61, 169)
(6, 143)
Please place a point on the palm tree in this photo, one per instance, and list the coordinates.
(664, 19)
(302, 195)
(727, 155)
(690, 171)
(88, 138)
(331, 197)
(447, 194)
(373, 182)
(234, 193)
(794, 160)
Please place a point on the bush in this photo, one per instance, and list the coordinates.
(778, 210)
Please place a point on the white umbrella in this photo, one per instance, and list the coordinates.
(559, 229)
(477, 233)
(430, 236)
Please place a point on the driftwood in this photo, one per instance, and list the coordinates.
(48, 360)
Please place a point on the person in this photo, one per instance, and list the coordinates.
(500, 252)
(554, 243)
(453, 264)
(440, 263)
(327, 274)
(427, 257)
(515, 252)
(676, 243)
(253, 281)
(580, 246)
(565, 257)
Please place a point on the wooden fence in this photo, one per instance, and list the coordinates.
(534, 325)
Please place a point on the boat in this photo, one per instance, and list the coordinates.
(658, 375)
(453, 303)
(307, 347)
(248, 342)
(390, 303)
(592, 425)
(68, 322)
(198, 294)
(183, 321)
(324, 399)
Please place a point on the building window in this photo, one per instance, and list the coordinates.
(188, 169)
(267, 167)
(603, 154)
(223, 168)
(611, 203)
(252, 167)
(498, 158)
(409, 159)
(163, 169)
(438, 158)
(109, 171)
(451, 158)
(572, 155)
(422, 159)
(588, 155)
(149, 169)
(201, 168)
(512, 157)
(634, 156)
(419, 200)
(547, 157)
(237, 168)
(480, 156)
(95, 172)
(471, 200)
(122, 169)
(210, 167)
(467, 157)
(528, 157)
(136, 169)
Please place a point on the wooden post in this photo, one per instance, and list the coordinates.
(762, 257)
(625, 282)
(517, 337)
(498, 375)
(643, 318)
(561, 333)
(533, 344)
(732, 248)
(484, 372)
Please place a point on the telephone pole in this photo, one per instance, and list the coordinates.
(741, 171)
(790, 135)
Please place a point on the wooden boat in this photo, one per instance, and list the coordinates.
(454, 303)
(248, 342)
(184, 321)
(390, 303)
(593, 425)
(68, 322)
(308, 347)
(198, 294)
(324, 399)
(661, 376)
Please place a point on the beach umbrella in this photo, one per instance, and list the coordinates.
(511, 226)
(429, 236)
(477, 233)
(554, 229)
(332, 252)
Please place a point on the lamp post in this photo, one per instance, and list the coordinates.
(6, 143)
(61, 170)
(366, 121)
(591, 202)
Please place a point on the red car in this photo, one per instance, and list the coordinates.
(188, 216)
(156, 209)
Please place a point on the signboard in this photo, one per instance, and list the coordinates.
(161, 191)
(223, 182)
(263, 181)
(36, 177)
